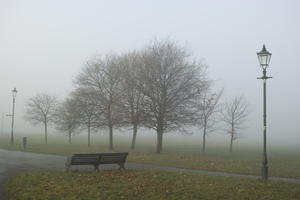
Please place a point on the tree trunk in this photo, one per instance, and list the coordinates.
(231, 138)
(111, 142)
(110, 127)
(46, 139)
(89, 133)
(231, 141)
(204, 137)
(134, 136)
(159, 139)
(70, 135)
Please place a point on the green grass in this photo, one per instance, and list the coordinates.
(127, 184)
(176, 154)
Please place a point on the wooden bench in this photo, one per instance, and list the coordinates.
(97, 159)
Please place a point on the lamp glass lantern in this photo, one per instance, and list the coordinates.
(14, 92)
(264, 57)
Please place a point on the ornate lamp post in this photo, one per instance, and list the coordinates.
(264, 58)
(2, 120)
(14, 94)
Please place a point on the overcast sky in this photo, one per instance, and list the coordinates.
(45, 43)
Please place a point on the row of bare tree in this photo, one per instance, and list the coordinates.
(158, 87)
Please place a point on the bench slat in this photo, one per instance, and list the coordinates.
(112, 158)
(84, 161)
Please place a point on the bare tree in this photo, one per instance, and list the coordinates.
(132, 97)
(41, 109)
(102, 77)
(171, 83)
(89, 111)
(234, 114)
(207, 115)
(66, 118)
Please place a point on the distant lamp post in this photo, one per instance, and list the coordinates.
(264, 58)
(14, 94)
(2, 120)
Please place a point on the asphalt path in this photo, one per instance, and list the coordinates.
(12, 162)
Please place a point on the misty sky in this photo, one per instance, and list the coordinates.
(45, 43)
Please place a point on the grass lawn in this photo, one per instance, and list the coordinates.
(127, 184)
(242, 160)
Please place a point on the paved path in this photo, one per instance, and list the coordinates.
(15, 161)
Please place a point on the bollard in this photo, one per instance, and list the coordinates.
(24, 142)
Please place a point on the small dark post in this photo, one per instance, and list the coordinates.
(24, 142)
(14, 94)
(264, 58)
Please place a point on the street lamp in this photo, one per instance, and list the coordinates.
(2, 120)
(14, 94)
(264, 58)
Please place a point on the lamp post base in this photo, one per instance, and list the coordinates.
(264, 172)
(264, 167)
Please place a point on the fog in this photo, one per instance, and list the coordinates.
(45, 44)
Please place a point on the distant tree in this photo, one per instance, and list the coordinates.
(132, 97)
(207, 116)
(102, 77)
(41, 109)
(171, 84)
(234, 114)
(89, 111)
(66, 118)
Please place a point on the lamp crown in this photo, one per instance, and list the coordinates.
(264, 50)
(14, 92)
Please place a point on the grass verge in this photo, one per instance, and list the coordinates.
(129, 184)
(281, 164)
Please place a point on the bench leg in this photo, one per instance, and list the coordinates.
(96, 167)
(121, 165)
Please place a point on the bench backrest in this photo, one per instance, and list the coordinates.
(98, 158)
(78, 159)
(110, 158)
